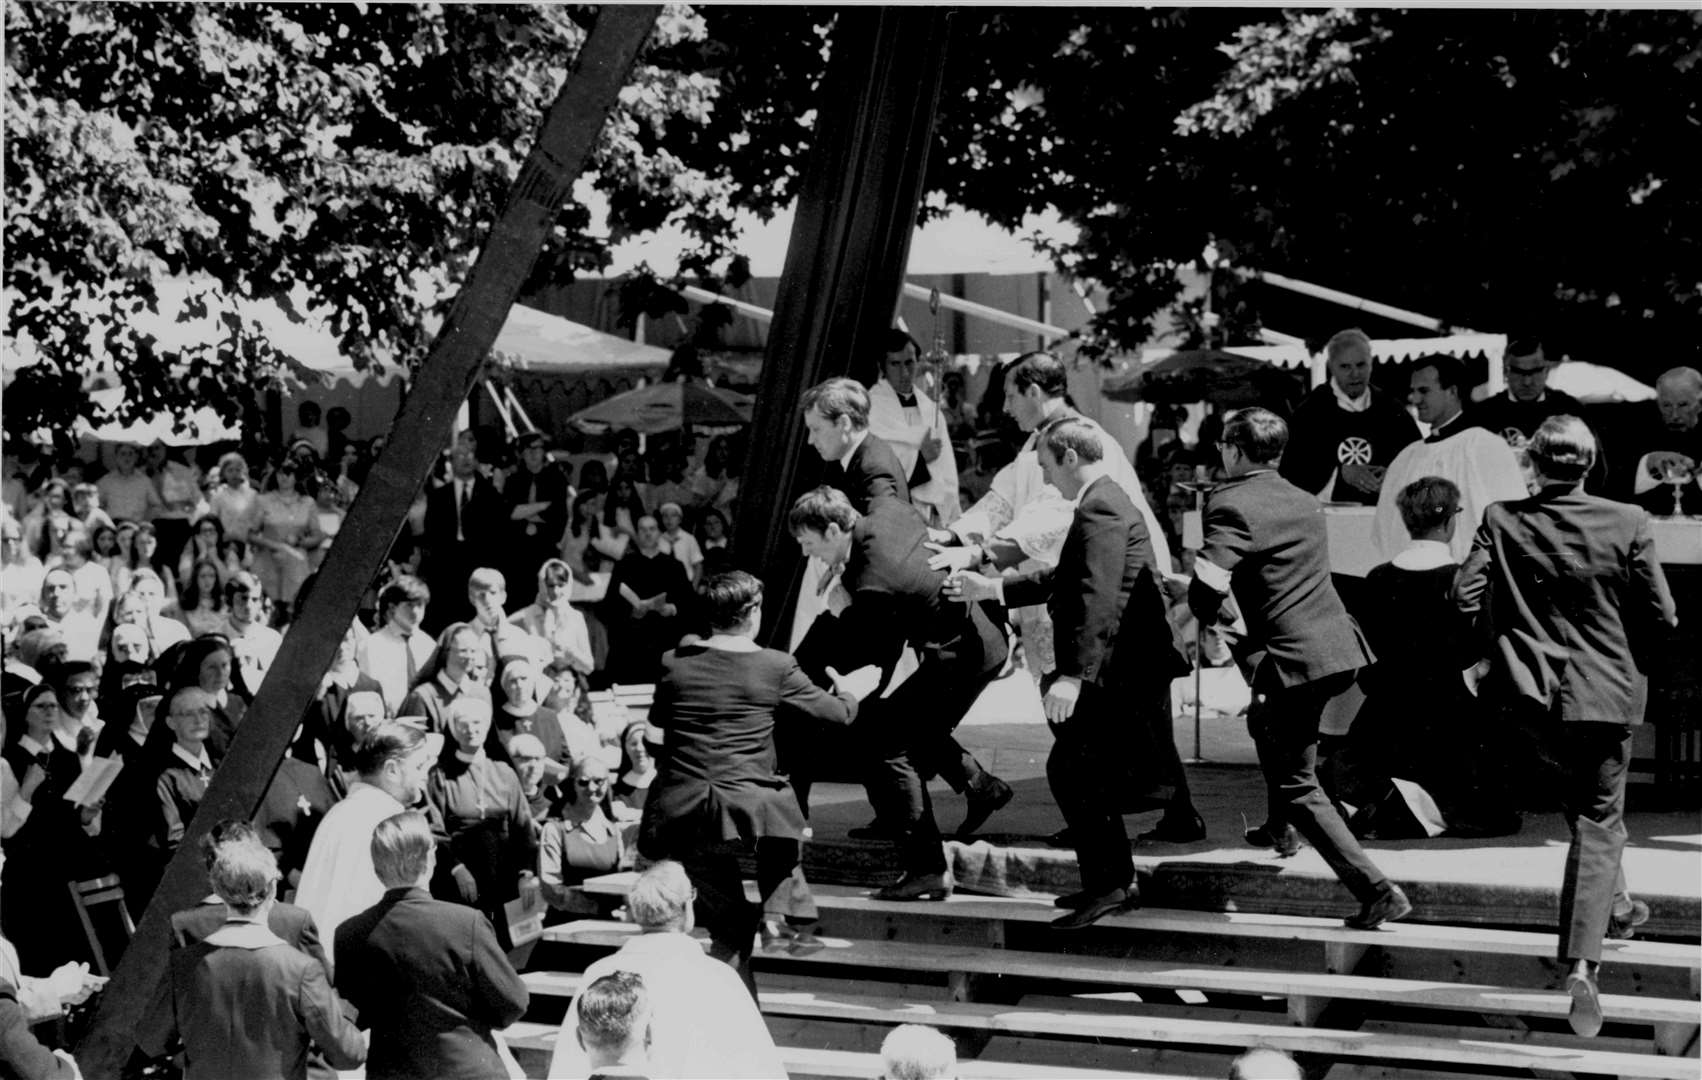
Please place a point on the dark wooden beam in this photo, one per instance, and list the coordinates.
(839, 290)
(569, 133)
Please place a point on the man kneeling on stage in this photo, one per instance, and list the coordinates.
(897, 601)
(1109, 700)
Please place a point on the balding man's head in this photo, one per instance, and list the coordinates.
(1679, 395)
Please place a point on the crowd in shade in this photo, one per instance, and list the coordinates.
(451, 768)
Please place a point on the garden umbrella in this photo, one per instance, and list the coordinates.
(1190, 375)
(665, 407)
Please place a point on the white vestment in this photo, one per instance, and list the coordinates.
(703, 1021)
(338, 880)
(1480, 464)
(903, 429)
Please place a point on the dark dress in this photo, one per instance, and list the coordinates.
(488, 826)
(637, 644)
(717, 791)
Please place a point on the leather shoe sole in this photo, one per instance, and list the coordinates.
(1097, 908)
(1585, 1015)
(1391, 905)
(984, 804)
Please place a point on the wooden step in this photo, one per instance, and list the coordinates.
(853, 1065)
(1403, 935)
(1302, 989)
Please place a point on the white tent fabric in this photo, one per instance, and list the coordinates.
(1597, 383)
(536, 341)
(1395, 350)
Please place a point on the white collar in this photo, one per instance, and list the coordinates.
(468, 759)
(203, 762)
(242, 932)
(1347, 404)
(596, 826)
(22, 670)
(35, 749)
(856, 441)
(1424, 555)
(730, 643)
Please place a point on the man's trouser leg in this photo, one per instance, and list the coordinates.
(1290, 763)
(780, 879)
(1257, 714)
(1074, 771)
(1596, 758)
(721, 907)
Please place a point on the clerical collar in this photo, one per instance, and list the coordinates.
(907, 401)
(1351, 404)
(1443, 430)
(1424, 555)
(857, 438)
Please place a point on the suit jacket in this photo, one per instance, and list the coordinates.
(481, 521)
(896, 598)
(1265, 541)
(248, 1004)
(873, 470)
(432, 983)
(1575, 597)
(1103, 595)
(21, 1054)
(551, 488)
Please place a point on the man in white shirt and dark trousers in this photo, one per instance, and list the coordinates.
(395, 652)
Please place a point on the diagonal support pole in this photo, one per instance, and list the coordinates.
(569, 134)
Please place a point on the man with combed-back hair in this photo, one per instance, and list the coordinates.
(614, 1026)
(428, 976)
(1568, 587)
(704, 1023)
(338, 878)
(245, 1002)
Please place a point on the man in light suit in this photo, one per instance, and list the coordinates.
(1265, 541)
(1109, 700)
(1569, 589)
(429, 978)
(914, 425)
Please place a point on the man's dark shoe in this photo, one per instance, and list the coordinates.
(983, 803)
(1175, 830)
(1390, 905)
(1097, 907)
(1586, 1013)
(1073, 901)
(874, 830)
(1622, 926)
(917, 887)
(1285, 839)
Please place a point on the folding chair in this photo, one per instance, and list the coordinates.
(102, 890)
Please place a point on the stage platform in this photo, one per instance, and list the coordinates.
(1505, 881)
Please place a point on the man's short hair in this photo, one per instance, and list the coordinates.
(1040, 369)
(729, 598)
(839, 397)
(529, 440)
(1563, 449)
(918, 1052)
(1343, 340)
(1526, 346)
(486, 577)
(614, 1012)
(817, 509)
(1427, 503)
(227, 831)
(62, 674)
(403, 589)
(1450, 372)
(1260, 435)
(661, 897)
(387, 742)
(244, 874)
(401, 848)
(243, 583)
(1074, 434)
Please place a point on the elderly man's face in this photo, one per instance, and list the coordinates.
(1680, 407)
(1351, 370)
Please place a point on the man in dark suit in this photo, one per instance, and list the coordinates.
(862, 465)
(428, 977)
(1568, 587)
(1265, 539)
(463, 523)
(897, 600)
(244, 1001)
(1108, 702)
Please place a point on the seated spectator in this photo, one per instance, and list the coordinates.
(233, 499)
(429, 978)
(155, 800)
(637, 768)
(135, 608)
(129, 723)
(555, 621)
(37, 650)
(121, 678)
(286, 534)
(253, 643)
(916, 1052)
(532, 765)
(78, 687)
(201, 604)
(207, 663)
(714, 538)
(396, 652)
(79, 630)
(447, 674)
(677, 542)
(583, 842)
(490, 852)
(20, 570)
(704, 1023)
(146, 554)
(86, 508)
(126, 491)
(614, 1026)
(204, 544)
(566, 739)
(244, 1002)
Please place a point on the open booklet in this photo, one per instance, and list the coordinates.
(91, 786)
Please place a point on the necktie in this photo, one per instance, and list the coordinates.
(413, 665)
(460, 508)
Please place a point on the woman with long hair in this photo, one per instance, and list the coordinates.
(233, 499)
(201, 604)
(209, 663)
(145, 552)
(286, 534)
(623, 507)
(53, 507)
(205, 539)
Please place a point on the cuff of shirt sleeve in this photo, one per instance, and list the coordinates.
(1212, 576)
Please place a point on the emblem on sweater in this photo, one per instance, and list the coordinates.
(1354, 450)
